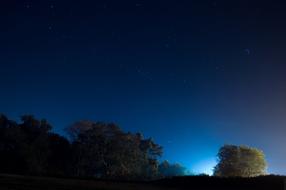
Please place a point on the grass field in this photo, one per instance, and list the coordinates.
(15, 182)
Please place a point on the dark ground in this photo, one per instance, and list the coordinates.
(14, 182)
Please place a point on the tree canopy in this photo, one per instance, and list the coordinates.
(240, 161)
(95, 149)
(105, 150)
(98, 149)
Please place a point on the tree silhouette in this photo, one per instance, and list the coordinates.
(12, 159)
(36, 150)
(240, 161)
(31, 148)
(59, 160)
(104, 150)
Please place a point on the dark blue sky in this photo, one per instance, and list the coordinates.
(191, 74)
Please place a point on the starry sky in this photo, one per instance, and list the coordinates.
(193, 74)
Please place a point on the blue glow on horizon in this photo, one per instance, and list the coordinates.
(205, 166)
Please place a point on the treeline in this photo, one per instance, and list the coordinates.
(94, 149)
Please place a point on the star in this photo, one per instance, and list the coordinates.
(27, 6)
(214, 3)
(247, 51)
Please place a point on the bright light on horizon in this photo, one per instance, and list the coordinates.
(205, 166)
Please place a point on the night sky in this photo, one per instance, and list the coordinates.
(193, 75)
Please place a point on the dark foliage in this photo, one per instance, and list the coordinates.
(59, 159)
(104, 150)
(95, 150)
(31, 148)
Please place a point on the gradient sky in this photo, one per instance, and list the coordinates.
(191, 74)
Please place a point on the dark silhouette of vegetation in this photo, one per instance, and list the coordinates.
(94, 150)
(167, 169)
(240, 161)
(31, 148)
(104, 151)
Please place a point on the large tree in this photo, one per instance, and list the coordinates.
(240, 161)
(31, 148)
(36, 141)
(12, 159)
(104, 150)
(60, 156)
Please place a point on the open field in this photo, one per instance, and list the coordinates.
(15, 182)
(215, 183)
